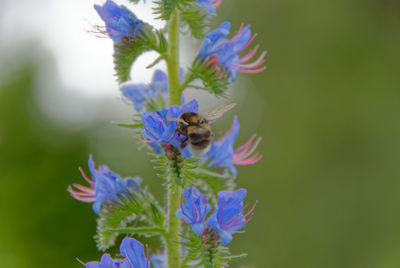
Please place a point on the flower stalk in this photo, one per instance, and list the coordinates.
(174, 189)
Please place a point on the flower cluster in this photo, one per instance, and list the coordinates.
(104, 187)
(220, 51)
(227, 219)
(120, 22)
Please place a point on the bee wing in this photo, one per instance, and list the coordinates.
(217, 113)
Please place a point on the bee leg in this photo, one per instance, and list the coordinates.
(182, 142)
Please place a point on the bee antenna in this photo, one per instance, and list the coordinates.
(172, 119)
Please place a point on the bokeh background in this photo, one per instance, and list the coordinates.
(327, 108)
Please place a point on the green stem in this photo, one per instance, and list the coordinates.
(173, 247)
(174, 190)
(173, 61)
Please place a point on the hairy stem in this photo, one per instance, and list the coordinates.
(173, 61)
(174, 190)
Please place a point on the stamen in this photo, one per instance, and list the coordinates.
(250, 161)
(252, 71)
(91, 182)
(148, 257)
(205, 207)
(245, 147)
(248, 152)
(250, 54)
(248, 43)
(81, 262)
(217, 3)
(183, 212)
(220, 214)
(256, 63)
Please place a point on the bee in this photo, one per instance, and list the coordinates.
(196, 128)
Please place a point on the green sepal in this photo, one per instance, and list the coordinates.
(214, 82)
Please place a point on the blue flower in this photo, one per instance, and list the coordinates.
(133, 253)
(222, 154)
(220, 51)
(105, 186)
(209, 5)
(228, 217)
(120, 22)
(105, 262)
(158, 130)
(194, 211)
(141, 93)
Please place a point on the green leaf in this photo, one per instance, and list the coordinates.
(139, 207)
(165, 8)
(235, 257)
(196, 18)
(125, 54)
(116, 215)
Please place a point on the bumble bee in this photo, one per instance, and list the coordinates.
(195, 127)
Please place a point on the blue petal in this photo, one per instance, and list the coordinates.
(191, 106)
(226, 237)
(134, 251)
(198, 228)
(213, 222)
(138, 94)
(207, 4)
(106, 262)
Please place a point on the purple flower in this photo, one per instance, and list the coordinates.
(120, 22)
(194, 211)
(222, 154)
(139, 94)
(105, 186)
(133, 253)
(209, 5)
(228, 217)
(158, 130)
(220, 51)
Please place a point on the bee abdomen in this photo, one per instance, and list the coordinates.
(199, 135)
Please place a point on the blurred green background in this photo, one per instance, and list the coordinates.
(327, 108)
